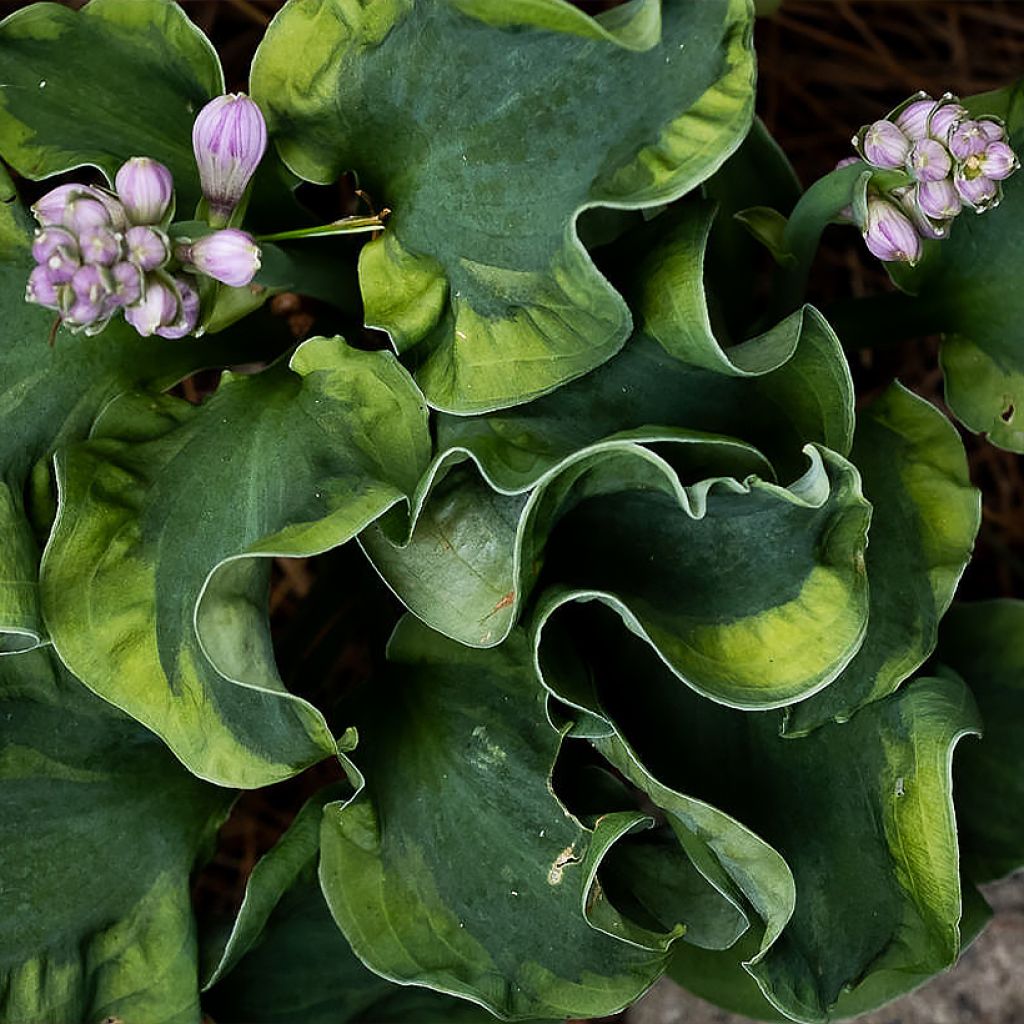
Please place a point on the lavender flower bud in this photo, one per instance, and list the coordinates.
(884, 145)
(946, 116)
(188, 312)
(229, 256)
(146, 188)
(92, 287)
(42, 289)
(929, 160)
(57, 250)
(978, 192)
(148, 247)
(912, 120)
(998, 161)
(937, 199)
(992, 128)
(52, 208)
(229, 138)
(967, 140)
(99, 245)
(84, 212)
(128, 283)
(889, 234)
(157, 308)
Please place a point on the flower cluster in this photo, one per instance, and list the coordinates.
(952, 160)
(101, 252)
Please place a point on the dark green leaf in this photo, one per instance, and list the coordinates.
(286, 962)
(926, 515)
(457, 868)
(862, 813)
(119, 78)
(982, 642)
(540, 112)
(100, 829)
(156, 576)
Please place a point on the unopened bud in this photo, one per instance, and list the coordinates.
(889, 234)
(148, 247)
(929, 160)
(938, 199)
(188, 312)
(967, 140)
(42, 289)
(92, 286)
(128, 283)
(944, 118)
(99, 245)
(884, 145)
(157, 308)
(998, 161)
(57, 250)
(146, 188)
(978, 192)
(912, 120)
(229, 138)
(229, 256)
(84, 212)
(52, 208)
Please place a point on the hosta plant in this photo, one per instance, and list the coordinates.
(659, 669)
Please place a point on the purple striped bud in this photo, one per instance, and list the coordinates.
(148, 247)
(978, 192)
(229, 256)
(49, 240)
(128, 283)
(188, 312)
(937, 199)
(889, 234)
(992, 128)
(229, 138)
(929, 160)
(946, 116)
(998, 161)
(146, 188)
(42, 289)
(84, 212)
(99, 245)
(52, 208)
(157, 308)
(967, 140)
(912, 120)
(92, 286)
(57, 250)
(884, 145)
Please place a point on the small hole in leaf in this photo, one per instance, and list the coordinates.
(1007, 414)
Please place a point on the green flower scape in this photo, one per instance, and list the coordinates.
(678, 687)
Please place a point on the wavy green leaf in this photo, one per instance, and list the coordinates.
(780, 390)
(119, 78)
(480, 278)
(155, 579)
(457, 868)
(100, 829)
(982, 642)
(286, 962)
(755, 594)
(926, 515)
(50, 394)
(862, 813)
